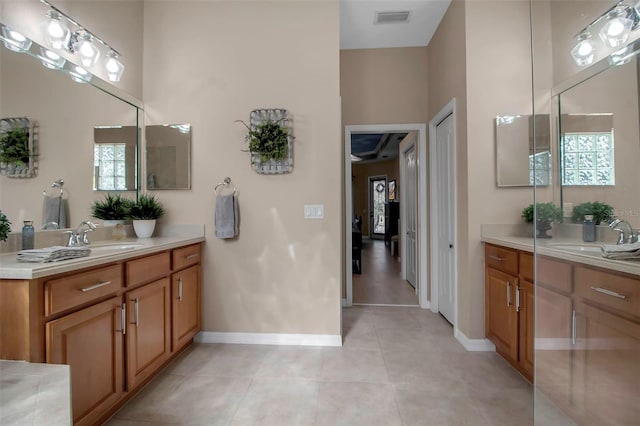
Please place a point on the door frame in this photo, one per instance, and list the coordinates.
(434, 171)
(369, 210)
(423, 223)
(402, 194)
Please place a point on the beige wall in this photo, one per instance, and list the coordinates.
(211, 63)
(361, 174)
(384, 86)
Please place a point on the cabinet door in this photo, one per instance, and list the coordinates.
(607, 366)
(554, 344)
(148, 330)
(90, 341)
(185, 293)
(526, 309)
(501, 321)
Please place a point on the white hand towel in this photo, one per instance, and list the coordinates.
(226, 216)
(621, 251)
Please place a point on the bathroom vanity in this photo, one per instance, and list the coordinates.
(586, 323)
(116, 317)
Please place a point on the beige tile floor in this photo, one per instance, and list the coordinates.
(398, 366)
(380, 282)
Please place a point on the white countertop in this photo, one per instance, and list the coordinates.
(34, 394)
(10, 268)
(545, 247)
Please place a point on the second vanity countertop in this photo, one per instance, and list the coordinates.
(546, 247)
(10, 268)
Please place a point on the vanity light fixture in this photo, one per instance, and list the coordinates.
(82, 44)
(583, 52)
(14, 40)
(58, 32)
(80, 75)
(622, 56)
(51, 59)
(617, 28)
(113, 66)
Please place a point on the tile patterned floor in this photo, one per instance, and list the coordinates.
(380, 282)
(398, 366)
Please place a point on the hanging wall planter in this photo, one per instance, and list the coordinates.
(17, 148)
(270, 141)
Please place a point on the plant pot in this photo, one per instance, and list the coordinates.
(541, 229)
(144, 228)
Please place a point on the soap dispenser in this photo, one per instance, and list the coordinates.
(588, 229)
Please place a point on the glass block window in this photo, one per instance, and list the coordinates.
(109, 167)
(540, 168)
(588, 159)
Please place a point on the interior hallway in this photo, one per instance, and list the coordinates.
(398, 366)
(380, 281)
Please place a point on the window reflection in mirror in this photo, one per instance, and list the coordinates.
(168, 156)
(114, 158)
(523, 150)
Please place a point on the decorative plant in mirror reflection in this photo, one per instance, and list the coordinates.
(545, 214)
(5, 227)
(602, 212)
(14, 146)
(111, 207)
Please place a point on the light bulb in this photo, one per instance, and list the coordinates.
(80, 75)
(51, 59)
(88, 52)
(57, 32)
(114, 67)
(583, 52)
(14, 40)
(615, 31)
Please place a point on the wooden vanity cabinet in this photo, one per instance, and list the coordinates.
(185, 296)
(500, 312)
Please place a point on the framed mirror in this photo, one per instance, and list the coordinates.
(523, 150)
(168, 156)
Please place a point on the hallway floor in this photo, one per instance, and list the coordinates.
(398, 366)
(380, 282)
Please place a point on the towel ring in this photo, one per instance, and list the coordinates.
(225, 182)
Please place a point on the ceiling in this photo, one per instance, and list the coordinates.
(358, 29)
(372, 147)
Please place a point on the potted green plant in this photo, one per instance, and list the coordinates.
(545, 214)
(144, 213)
(112, 209)
(268, 144)
(602, 212)
(5, 227)
(14, 147)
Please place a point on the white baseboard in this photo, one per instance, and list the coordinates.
(269, 339)
(474, 345)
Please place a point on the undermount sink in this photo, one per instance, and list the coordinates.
(112, 247)
(590, 248)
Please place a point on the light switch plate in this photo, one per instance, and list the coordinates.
(314, 211)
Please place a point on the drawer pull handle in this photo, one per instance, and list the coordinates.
(95, 286)
(192, 256)
(608, 292)
(499, 259)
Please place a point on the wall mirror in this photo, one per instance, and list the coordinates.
(599, 140)
(168, 149)
(68, 116)
(114, 158)
(523, 150)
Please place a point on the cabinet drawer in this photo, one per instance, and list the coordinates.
(618, 292)
(74, 290)
(147, 268)
(186, 256)
(526, 266)
(554, 274)
(501, 258)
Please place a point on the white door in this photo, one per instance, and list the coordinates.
(445, 228)
(411, 214)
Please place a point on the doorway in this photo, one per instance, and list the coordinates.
(421, 215)
(409, 168)
(442, 146)
(377, 201)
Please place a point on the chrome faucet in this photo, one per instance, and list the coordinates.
(80, 237)
(625, 232)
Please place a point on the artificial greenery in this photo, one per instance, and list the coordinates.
(5, 227)
(269, 139)
(545, 212)
(14, 146)
(111, 207)
(146, 208)
(602, 212)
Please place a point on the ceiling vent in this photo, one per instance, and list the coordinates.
(401, 17)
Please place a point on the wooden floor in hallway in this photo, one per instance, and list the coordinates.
(380, 282)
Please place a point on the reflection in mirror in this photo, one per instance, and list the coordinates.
(523, 150)
(591, 113)
(114, 158)
(168, 156)
(67, 113)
